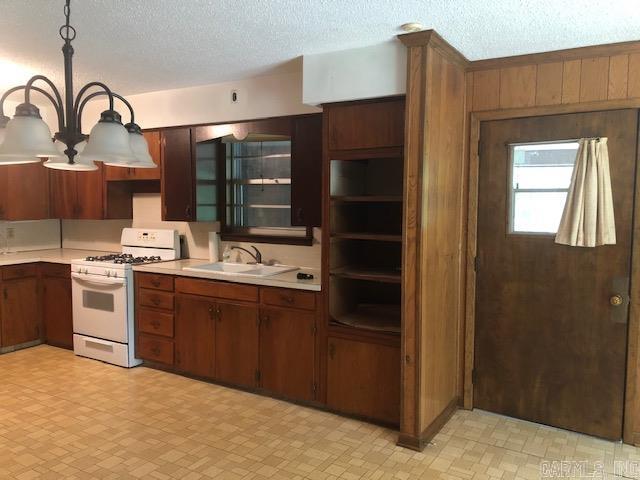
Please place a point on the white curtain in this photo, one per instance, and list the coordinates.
(587, 219)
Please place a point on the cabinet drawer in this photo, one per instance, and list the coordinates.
(157, 323)
(288, 298)
(157, 299)
(55, 270)
(19, 271)
(209, 288)
(155, 349)
(155, 282)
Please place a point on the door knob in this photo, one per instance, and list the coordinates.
(616, 300)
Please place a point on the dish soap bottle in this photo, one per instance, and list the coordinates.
(226, 254)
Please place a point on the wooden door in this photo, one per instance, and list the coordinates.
(287, 351)
(178, 198)
(90, 194)
(57, 311)
(364, 379)
(63, 194)
(306, 171)
(20, 311)
(549, 346)
(195, 336)
(237, 343)
(25, 192)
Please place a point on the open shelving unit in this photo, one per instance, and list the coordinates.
(365, 236)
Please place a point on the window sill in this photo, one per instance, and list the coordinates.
(275, 239)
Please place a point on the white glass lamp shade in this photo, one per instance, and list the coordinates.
(15, 160)
(27, 136)
(141, 151)
(109, 143)
(80, 163)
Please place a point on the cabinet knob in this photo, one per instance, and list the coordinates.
(155, 282)
(187, 212)
(299, 215)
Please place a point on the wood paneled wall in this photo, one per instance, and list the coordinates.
(434, 235)
(574, 76)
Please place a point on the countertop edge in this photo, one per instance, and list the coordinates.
(271, 281)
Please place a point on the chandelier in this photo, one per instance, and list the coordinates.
(27, 138)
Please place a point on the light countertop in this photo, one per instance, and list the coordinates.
(284, 280)
(55, 255)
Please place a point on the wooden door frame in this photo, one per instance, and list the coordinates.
(632, 382)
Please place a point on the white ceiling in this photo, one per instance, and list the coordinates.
(146, 45)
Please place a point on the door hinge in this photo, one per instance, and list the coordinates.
(476, 263)
(5, 294)
(314, 389)
(258, 377)
(314, 330)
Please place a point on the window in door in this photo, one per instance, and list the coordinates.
(540, 179)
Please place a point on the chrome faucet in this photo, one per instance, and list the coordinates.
(257, 256)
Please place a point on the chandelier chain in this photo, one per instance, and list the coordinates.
(67, 32)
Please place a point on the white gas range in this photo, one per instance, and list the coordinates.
(103, 295)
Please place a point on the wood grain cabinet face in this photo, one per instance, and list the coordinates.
(20, 311)
(178, 195)
(364, 379)
(306, 171)
(236, 343)
(287, 352)
(24, 192)
(57, 311)
(77, 195)
(195, 336)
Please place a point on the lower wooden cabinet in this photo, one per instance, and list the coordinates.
(287, 352)
(364, 379)
(195, 336)
(244, 335)
(57, 310)
(236, 344)
(20, 309)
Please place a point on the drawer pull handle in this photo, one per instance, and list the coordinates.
(155, 324)
(287, 299)
(155, 350)
(155, 300)
(155, 282)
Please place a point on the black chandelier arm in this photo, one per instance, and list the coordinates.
(59, 111)
(57, 104)
(97, 94)
(83, 90)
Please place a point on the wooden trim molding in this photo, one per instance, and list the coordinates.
(434, 40)
(610, 49)
(420, 442)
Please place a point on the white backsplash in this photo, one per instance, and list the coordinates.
(30, 235)
(103, 235)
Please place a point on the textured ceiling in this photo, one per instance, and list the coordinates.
(146, 45)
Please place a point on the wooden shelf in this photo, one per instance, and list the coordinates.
(371, 274)
(367, 198)
(380, 237)
(390, 153)
(373, 318)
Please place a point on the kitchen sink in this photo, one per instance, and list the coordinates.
(229, 268)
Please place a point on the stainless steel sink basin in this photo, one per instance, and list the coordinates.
(228, 268)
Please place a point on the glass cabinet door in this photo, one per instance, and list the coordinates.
(206, 180)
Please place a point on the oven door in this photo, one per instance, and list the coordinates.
(100, 307)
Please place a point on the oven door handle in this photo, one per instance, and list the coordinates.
(98, 281)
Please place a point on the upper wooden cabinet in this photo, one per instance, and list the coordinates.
(365, 125)
(177, 175)
(77, 195)
(194, 167)
(24, 192)
(121, 173)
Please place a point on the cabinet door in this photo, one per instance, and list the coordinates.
(64, 196)
(57, 311)
(364, 379)
(90, 186)
(195, 336)
(306, 171)
(237, 343)
(25, 191)
(366, 125)
(287, 355)
(20, 311)
(177, 175)
(153, 140)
